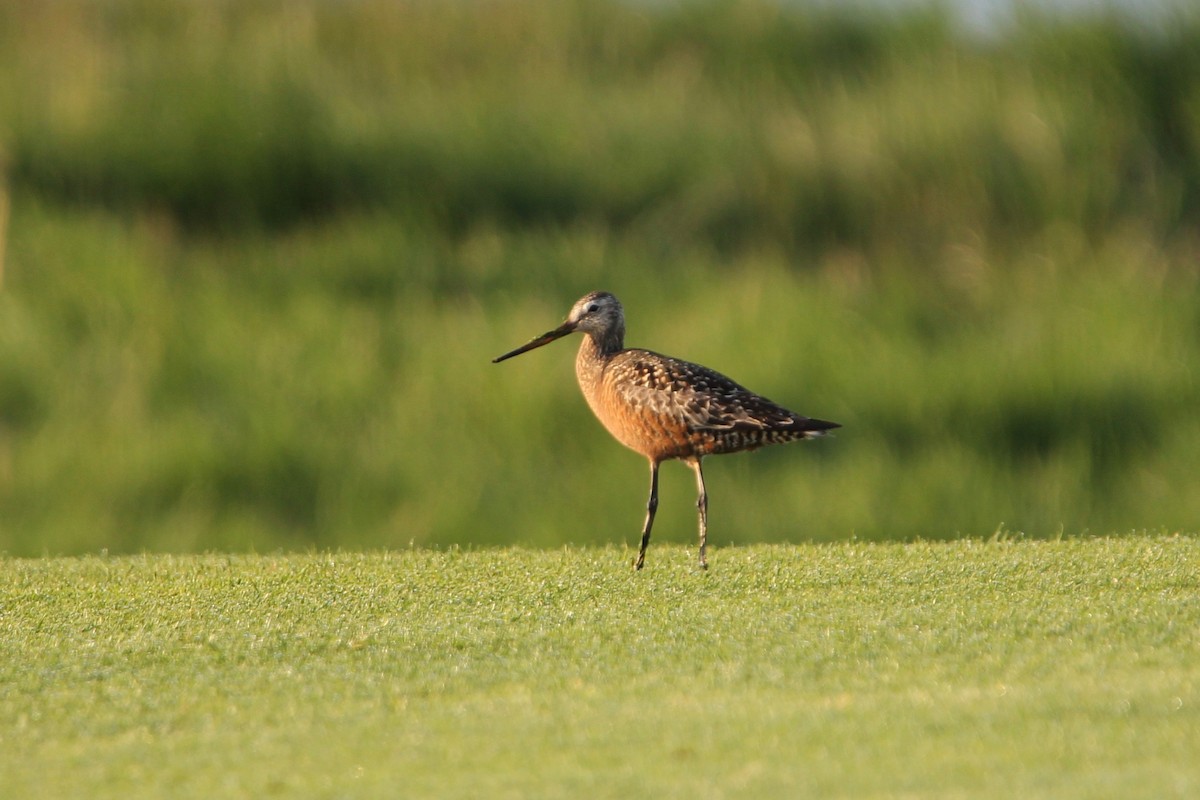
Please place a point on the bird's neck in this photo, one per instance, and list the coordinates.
(595, 351)
(606, 343)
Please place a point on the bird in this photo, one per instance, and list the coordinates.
(665, 408)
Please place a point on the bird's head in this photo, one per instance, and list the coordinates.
(596, 313)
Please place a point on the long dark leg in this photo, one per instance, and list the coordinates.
(651, 507)
(702, 507)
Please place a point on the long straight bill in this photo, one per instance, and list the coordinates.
(545, 338)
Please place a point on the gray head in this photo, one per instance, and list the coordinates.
(598, 314)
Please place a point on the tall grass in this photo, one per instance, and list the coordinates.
(259, 256)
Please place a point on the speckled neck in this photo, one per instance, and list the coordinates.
(593, 356)
(611, 340)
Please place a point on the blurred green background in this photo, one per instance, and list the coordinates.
(257, 256)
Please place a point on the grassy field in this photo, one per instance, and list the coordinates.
(974, 668)
(255, 259)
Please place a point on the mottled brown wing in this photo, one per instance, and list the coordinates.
(701, 399)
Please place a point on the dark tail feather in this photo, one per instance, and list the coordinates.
(816, 427)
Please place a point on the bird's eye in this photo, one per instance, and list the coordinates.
(593, 308)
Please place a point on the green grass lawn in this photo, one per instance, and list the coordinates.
(962, 669)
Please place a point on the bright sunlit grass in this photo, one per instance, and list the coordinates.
(983, 669)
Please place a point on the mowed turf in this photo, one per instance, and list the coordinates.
(961, 669)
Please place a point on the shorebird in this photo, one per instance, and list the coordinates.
(666, 408)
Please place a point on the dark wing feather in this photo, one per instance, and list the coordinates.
(700, 398)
